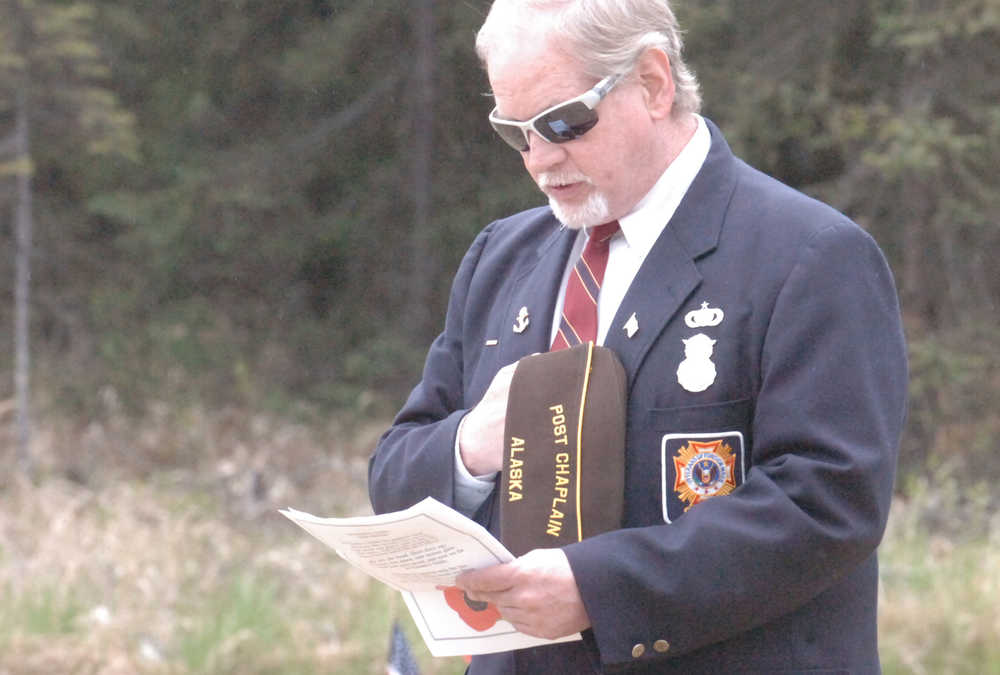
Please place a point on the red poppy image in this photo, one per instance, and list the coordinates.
(479, 616)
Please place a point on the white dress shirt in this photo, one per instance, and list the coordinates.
(639, 231)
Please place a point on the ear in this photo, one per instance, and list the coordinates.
(653, 71)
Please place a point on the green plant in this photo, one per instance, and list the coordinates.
(46, 610)
(239, 623)
(940, 594)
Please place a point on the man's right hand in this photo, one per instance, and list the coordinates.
(480, 440)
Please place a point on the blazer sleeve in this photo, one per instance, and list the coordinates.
(415, 458)
(826, 426)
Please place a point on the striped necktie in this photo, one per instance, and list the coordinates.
(579, 316)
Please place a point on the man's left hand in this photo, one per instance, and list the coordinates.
(537, 593)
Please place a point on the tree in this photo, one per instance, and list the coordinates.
(312, 173)
(422, 260)
(315, 171)
(50, 68)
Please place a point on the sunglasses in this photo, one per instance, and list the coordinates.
(560, 123)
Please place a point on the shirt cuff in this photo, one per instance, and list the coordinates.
(470, 491)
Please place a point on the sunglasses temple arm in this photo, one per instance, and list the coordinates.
(594, 96)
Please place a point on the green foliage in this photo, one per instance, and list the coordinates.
(953, 417)
(50, 51)
(45, 610)
(238, 624)
(938, 565)
(227, 200)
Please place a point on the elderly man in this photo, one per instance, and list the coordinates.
(760, 335)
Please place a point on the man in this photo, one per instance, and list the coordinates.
(760, 334)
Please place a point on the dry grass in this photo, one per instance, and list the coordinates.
(154, 547)
(940, 591)
(108, 565)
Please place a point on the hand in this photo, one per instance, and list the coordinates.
(480, 439)
(537, 593)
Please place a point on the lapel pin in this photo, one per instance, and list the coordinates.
(493, 342)
(522, 321)
(631, 326)
(706, 316)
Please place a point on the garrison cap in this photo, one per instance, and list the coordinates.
(563, 475)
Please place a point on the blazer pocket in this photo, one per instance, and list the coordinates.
(708, 418)
(704, 452)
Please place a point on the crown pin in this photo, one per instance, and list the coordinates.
(706, 316)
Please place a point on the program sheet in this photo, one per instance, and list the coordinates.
(419, 552)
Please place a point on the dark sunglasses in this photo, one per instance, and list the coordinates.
(560, 123)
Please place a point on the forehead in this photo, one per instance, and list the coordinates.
(537, 76)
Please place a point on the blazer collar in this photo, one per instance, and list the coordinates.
(698, 220)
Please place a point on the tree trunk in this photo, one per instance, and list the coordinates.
(421, 256)
(22, 282)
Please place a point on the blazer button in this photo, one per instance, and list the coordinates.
(638, 650)
(661, 646)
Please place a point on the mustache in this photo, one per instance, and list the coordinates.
(556, 179)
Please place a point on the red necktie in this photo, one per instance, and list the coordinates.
(579, 316)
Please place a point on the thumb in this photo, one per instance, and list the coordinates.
(493, 579)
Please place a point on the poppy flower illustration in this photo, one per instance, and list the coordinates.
(479, 616)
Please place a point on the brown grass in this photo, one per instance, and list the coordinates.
(154, 546)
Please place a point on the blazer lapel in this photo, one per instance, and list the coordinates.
(669, 274)
(536, 289)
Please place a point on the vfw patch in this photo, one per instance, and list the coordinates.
(696, 467)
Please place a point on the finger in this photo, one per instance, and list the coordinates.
(495, 579)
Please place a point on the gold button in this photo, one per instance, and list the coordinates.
(638, 650)
(661, 646)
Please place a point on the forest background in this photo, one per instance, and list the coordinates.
(229, 233)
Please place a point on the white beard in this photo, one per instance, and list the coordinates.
(594, 211)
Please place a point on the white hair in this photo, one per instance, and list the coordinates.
(607, 37)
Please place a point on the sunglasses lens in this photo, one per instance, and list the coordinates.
(566, 122)
(511, 134)
(556, 126)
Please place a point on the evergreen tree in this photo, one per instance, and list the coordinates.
(50, 84)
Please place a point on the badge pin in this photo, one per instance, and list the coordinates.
(631, 326)
(522, 321)
(697, 372)
(706, 316)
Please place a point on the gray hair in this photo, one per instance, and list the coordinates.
(606, 36)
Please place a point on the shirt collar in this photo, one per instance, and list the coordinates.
(643, 225)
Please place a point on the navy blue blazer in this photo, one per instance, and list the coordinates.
(754, 505)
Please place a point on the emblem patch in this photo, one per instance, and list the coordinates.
(697, 467)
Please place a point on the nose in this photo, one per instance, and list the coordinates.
(542, 155)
